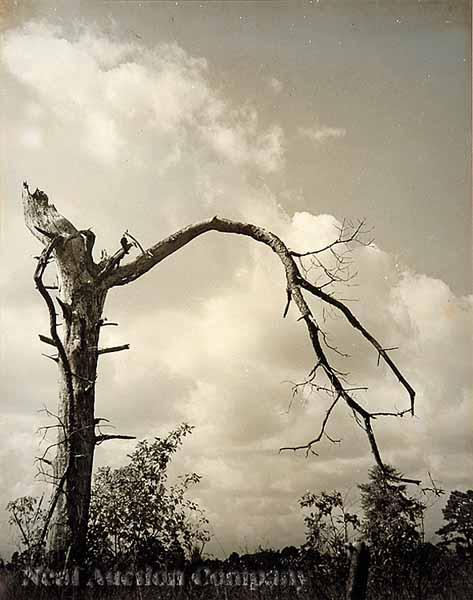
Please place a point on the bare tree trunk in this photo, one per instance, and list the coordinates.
(76, 441)
(80, 300)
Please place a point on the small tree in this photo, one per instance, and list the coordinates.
(392, 526)
(136, 516)
(458, 513)
(392, 519)
(329, 526)
(28, 516)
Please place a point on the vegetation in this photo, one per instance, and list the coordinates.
(142, 523)
(392, 526)
(137, 517)
(458, 513)
(328, 528)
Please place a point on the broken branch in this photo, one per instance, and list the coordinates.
(47, 340)
(113, 349)
(105, 438)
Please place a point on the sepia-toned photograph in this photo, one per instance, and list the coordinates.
(236, 307)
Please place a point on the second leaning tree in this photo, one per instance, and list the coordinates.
(83, 284)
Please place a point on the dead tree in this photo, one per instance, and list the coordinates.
(82, 289)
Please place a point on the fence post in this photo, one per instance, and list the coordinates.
(358, 575)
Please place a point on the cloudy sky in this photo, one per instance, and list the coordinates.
(148, 116)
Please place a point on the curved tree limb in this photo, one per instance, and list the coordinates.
(114, 275)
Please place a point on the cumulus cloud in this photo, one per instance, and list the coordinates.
(121, 100)
(322, 133)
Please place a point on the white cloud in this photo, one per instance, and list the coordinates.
(321, 133)
(31, 137)
(101, 138)
(276, 85)
(122, 100)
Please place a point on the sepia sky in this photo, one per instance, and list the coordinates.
(149, 116)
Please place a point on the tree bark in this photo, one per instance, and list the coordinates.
(76, 442)
(81, 300)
